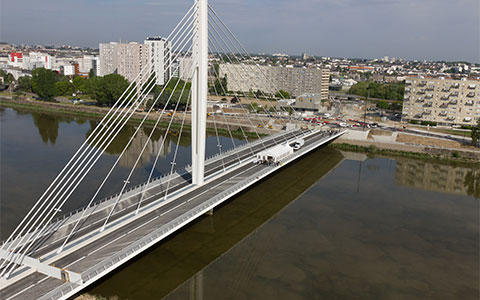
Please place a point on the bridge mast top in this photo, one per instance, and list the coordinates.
(199, 92)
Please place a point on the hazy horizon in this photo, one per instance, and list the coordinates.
(433, 30)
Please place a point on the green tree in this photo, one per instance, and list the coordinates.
(383, 105)
(170, 90)
(80, 84)
(43, 83)
(387, 91)
(7, 77)
(476, 134)
(91, 86)
(64, 88)
(254, 107)
(91, 74)
(220, 86)
(283, 94)
(109, 88)
(25, 83)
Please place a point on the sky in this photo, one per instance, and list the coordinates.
(413, 29)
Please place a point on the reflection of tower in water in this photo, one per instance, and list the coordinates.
(154, 146)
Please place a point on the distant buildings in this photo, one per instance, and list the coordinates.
(309, 102)
(440, 100)
(271, 79)
(159, 55)
(128, 59)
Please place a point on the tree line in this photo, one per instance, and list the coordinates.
(386, 91)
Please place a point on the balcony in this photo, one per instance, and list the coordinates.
(420, 99)
(446, 90)
(444, 105)
(428, 104)
(467, 119)
(430, 88)
(422, 83)
(454, 102)
(454, 94)
(427, 112)
(469, 103)
(407, 90)
(471, 95)
(408, 82)
(443, 113)
(421, 92)
(451, 118)
(445, 97)
(429, 96)
(472, 86)
(455, 86)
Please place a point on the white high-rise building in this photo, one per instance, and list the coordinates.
(87, 63)
(108, 58)
(159, 54)
(123, 59)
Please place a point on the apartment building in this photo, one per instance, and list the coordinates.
(441, 100)
(271, 79)
(131, 58)
(108, 58)
(128, 59)
(158, 51)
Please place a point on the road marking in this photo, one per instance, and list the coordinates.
(43, 280)
(172, 209)
(134, 229)
(232, 159)
(15, 295)
(74, 262)
(109, 243)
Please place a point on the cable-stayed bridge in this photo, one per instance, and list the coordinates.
(52, 255)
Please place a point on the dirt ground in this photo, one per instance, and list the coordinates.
(426, 141)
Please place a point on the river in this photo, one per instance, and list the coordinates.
(332, 226)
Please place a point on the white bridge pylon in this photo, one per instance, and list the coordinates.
(199, 92)
(42, 234)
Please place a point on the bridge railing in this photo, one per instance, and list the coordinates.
(147, 241)
(162, 179)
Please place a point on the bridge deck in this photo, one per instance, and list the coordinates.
(97, 255)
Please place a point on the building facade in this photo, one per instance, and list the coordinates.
(309, 102)
(108, 58)
(158, 51)
(440, 100)
(126, 59)
(271, 79)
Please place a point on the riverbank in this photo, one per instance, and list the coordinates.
(94, 112)
(451, 157)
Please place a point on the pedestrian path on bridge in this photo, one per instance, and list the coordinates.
(55, 256)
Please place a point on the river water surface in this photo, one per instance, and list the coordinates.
(332, 226)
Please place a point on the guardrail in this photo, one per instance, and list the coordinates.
(118, 258)
(162, 179)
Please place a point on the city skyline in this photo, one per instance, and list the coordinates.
(430, 30)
